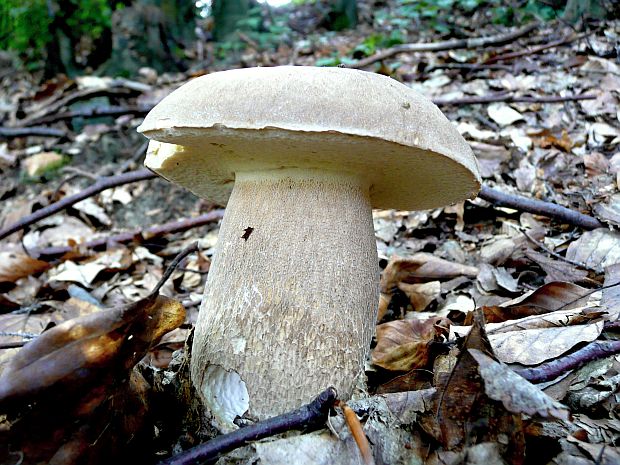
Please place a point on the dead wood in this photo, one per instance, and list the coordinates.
(31, 131)
(550, 370)
(129, 236)
(539, 207)
(308, 417)
(511, 98)
(455, 44)
(101, 185)
(111, 110)
(535, 50)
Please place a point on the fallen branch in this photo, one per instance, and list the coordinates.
(539, 207)
(309, 417)
(551, 370)
(97, 112)
(101, 185)
(510, 98)
(81, 94)
(129, 236)
(534, 50)
(31, 131)
(455, 44)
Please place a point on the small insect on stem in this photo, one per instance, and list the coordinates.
(246, 233)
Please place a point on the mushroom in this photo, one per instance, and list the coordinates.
(300, 155)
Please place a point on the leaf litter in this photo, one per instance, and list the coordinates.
(447, 382)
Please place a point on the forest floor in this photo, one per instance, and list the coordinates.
(540, 110)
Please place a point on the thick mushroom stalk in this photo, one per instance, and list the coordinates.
(300, 155)
(291, 298)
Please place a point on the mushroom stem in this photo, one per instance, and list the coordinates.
(291, 298)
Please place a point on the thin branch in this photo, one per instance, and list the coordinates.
(551, 370)
(96, 112)
(31, 131)
(308, 417)
(552, 253)
(184, 253)
(80, 94)
(538, 49)
(510, 98)
(552, 210)
(455, 44)
(99, 186)
(129, 236)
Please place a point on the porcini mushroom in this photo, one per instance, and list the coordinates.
(300, 155)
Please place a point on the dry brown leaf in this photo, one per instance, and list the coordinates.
(77, 352)
(548, 298)
(421, 295)
(463, 405)
(546, 139)
(79, 377)
(17, 265)
(403, 345)
(596, 249)
(418, 268)
(514, 392)
(556, 270)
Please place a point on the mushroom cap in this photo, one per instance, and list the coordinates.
(334, 119)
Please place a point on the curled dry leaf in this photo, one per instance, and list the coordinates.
(514, 392)
(418, 268)
(421, 295)
(548, 298)
(79, 352)
(463, 404)
(17, 265)
(89, 406)
(403, 345)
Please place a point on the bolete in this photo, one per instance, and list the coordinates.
(300, 155)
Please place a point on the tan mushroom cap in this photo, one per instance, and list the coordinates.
(333, 119)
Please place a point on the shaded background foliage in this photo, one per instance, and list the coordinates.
(119, 37)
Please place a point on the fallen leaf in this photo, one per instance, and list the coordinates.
(402, 345)
(548, 298)
(596, 249)
(515, 393)
(38, 164)
(463, 404)
(534, 346)
(74, 353)
(17, 265)
(556, 270)
(421, 295)
(502, 114)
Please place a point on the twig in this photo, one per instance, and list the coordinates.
(551, 370)
(534, 50)
(499, 39)
(539, 207)
(129, 236)
(506, 97)
(69, 99)
(308, 417)
(13, 345)
(552, 253)
(99, 186)
(97, 112)
(184, 253)
(358, 433)
(31, 131)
